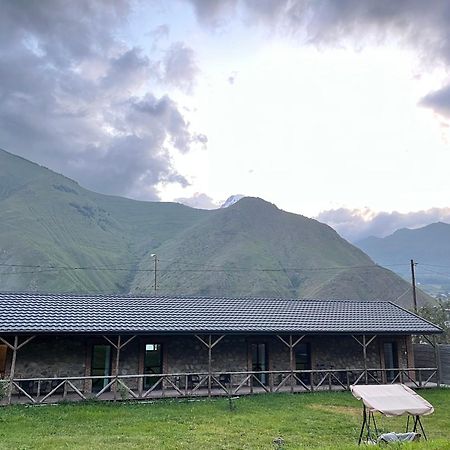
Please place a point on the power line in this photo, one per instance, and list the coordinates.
(437, 273)
(205, 269)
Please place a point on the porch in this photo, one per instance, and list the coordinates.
(147, 367)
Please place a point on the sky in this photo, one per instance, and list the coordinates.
(334, 109)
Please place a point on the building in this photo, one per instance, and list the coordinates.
(79, 346)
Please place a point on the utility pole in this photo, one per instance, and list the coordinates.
(155, 259)
(413, 279)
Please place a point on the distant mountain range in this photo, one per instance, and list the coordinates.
(429, 246)
(56, 236)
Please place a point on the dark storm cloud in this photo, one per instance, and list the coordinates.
(75, 98)
(357, 224)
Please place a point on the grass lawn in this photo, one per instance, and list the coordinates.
(320, 420)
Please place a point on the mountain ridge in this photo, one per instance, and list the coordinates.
(50, 221)
(428, 246)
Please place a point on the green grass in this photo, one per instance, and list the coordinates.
(322, 420)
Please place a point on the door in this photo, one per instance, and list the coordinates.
(153, 363)
(260, 361)
(2, 360)
(100, 366)
(303, 360)
(390, 359)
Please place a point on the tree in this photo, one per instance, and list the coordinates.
(439, 314)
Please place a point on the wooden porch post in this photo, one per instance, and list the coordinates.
(291, 345)
(209, 345)
(437, 360)
(13, 367)
(364, 344)
(209, 365)
(291, 362)
(118, 347)
(16, 346)
(116, 369)
(365, 358)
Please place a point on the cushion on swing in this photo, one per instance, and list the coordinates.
(398, 437)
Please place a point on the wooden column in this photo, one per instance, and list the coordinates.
(291, 345)
(209, 345)
(437, 360)
(209, 365)
(13, 368)
(365, 358)
(14, 347)
(119, 346)
(364, 344)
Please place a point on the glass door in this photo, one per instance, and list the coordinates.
(303, 361)
(100, 366)
(260, 361)
(390, 359)
(153, 363)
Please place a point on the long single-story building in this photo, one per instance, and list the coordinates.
(81, 346)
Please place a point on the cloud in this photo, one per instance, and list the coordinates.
(199, 201)
(180, 67)
(439, 101)
(421, 25)
(79, 100)
(328, 20)
(357, 224)
(214, 13)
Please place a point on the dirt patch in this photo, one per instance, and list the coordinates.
(348, 410)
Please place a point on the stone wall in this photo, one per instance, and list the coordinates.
(60, 356)
(51, 356)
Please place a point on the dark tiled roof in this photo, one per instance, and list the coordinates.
(45, 313)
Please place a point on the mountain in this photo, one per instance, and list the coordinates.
(231, 200)
(47, 219)
(56, 236)
(429, 246)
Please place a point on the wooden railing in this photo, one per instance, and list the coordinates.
(152, 386)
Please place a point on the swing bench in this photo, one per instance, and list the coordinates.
(391, 400)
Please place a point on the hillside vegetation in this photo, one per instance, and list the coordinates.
(56, 236)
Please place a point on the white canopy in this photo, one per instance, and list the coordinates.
(392, 399)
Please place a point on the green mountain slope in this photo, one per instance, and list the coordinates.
(253, 248)
(48, 219)
(249, 249)
(429, 245)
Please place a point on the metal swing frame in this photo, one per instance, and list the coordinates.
(368, 417)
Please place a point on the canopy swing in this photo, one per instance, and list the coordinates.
(391, 400)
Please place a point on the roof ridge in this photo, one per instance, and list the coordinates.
(68, 295)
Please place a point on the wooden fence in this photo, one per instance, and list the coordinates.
(202, 384)
(425, 356)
